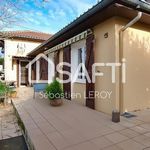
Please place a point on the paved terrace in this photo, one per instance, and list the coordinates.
(75, 127)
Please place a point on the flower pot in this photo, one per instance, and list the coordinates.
(13, 94)
(56, 102)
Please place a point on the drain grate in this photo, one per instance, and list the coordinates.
(128, 115)
(16, 143)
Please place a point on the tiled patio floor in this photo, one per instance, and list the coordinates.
(75, 127)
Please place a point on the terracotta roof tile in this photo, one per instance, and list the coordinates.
(26, 34)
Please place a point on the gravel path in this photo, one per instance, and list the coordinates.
(8, 123)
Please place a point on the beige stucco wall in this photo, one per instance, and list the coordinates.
(105, 52)
(12, 50)
(136, 51)
(79, 92)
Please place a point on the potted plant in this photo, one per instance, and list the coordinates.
(54, 92)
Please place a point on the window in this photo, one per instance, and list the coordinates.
(81, 60)
(21, 48)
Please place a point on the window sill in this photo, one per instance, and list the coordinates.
(81, 81)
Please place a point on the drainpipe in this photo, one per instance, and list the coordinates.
(132, 22)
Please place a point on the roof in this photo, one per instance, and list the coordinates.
(98, 13)
(21, 58)
(26, 35)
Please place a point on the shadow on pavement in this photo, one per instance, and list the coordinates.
(16, 143)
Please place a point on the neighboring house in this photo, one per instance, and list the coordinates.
(99, 36)
(16, 45)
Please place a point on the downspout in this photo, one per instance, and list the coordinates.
(132, 22)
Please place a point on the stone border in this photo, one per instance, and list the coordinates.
(23, 130)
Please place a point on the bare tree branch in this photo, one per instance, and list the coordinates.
(8, 13)
(11, 13)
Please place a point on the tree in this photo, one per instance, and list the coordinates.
(8, 13)
(9, 10)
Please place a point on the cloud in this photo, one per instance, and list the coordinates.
(56, 14)
(79, 6)
(52, 15)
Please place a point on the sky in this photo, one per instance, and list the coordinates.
(49, 16)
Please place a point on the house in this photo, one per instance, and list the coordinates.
(16, 45)
(110, 31)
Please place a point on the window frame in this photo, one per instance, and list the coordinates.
(83, 60)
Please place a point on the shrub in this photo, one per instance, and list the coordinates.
(4, 89)
(54, 90)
